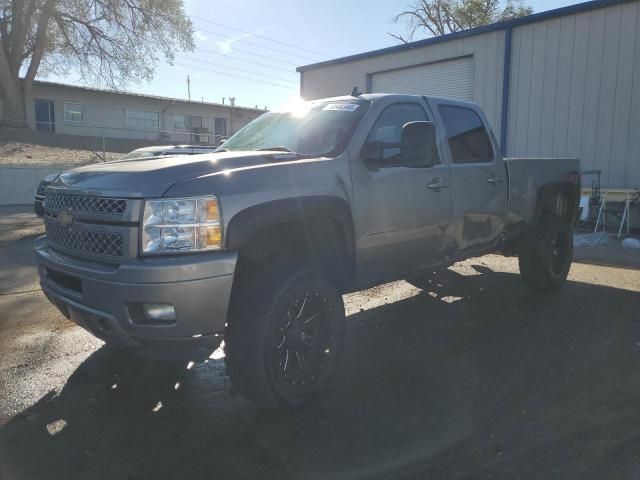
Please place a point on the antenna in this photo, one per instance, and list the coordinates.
(188, 88)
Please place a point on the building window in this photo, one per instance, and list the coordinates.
(143, 120)
(72, 112)
(221, 127)
(195, 123)
(186, 122)
(468, 138)
(180, 122)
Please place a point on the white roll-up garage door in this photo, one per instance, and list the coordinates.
(449, 79)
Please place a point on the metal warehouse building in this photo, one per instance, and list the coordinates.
(554, 84)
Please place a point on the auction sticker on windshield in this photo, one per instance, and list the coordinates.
(342, 107)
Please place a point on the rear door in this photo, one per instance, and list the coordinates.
(401, 213)
(478, 173)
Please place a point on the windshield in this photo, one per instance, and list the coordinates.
(316, 129)
(142, 154)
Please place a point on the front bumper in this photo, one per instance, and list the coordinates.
(107, 299)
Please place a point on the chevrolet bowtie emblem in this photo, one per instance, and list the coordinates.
(65, 219)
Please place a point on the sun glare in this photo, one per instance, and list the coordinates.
(296, 106)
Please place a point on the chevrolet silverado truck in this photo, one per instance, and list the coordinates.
(255, 243)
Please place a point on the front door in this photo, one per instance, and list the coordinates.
(401, 213)
(45, 121)
(479, 178)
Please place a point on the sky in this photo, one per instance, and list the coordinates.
(249, 49)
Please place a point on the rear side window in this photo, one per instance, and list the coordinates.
(468, 138)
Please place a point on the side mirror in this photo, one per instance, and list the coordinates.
(418, 146)
(372, 153)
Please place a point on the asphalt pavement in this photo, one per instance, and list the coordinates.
(467, 375)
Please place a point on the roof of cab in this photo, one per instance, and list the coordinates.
(373, 97)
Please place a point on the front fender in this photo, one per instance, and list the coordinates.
(299, 210)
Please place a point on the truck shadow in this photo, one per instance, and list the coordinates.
(476, 377)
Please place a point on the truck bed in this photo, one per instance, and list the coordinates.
(526, 178)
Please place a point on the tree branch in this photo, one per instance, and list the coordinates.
(38, 48)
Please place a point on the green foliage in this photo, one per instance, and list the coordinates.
(109, 42)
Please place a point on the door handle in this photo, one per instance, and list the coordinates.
(437, 183)
(495, 179)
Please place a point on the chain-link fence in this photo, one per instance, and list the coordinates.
(103, 141)
(27, 156)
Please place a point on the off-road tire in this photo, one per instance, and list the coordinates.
(546, 253)
(258, 322)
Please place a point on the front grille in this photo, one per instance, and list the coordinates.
(107, 244)
(81, 203)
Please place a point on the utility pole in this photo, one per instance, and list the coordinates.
(232, 102)
(189, 97)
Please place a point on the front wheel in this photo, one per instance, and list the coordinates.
(285, 337)
(546, 253)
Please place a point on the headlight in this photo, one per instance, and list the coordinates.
(177, 225)
(42, 187)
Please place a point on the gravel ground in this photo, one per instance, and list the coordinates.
(19, 147)
(27, 154)
(471, 376)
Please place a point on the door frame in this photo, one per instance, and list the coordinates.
(51, 110)
(372, 244)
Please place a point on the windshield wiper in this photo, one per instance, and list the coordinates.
(279, 148)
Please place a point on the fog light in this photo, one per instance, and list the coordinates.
(159, 311)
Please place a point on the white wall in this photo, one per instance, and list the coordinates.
(17, 185)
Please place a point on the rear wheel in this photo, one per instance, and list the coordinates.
(283, 342)
(546, 254)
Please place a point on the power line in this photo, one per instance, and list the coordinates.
(265, 56)
(238, 69)
(258, 45)
(253, 62)
(233, 75)
(290, 27)
(261, 36)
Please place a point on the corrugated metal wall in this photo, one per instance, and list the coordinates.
(575, 91)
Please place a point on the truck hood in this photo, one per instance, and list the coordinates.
(153, 177)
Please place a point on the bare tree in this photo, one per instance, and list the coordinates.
(108, 42)
(440, 17)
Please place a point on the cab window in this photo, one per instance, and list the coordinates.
(388, 126)
(466, 134)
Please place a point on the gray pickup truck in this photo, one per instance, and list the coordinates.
(256, 243)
